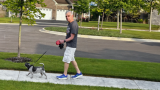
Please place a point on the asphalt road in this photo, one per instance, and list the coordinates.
(35, 42)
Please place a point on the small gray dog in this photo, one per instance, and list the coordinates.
(33, 70)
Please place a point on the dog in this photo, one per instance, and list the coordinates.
(33, 70)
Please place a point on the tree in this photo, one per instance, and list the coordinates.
(80, 7)
(26, 10)
(98, 9)
(135, 10)
(105, 8)
(121, 5)
(149, 6)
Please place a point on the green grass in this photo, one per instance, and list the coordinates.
(23, 85)
(14, 20)
(112, 33)
(90, 66)
(125, 25)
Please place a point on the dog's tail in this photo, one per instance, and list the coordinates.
(42, 64)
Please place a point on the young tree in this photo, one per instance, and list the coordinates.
(26, 10)
(103, 8)
(121, 5)
(149, 6)
(106, 8)
(80, 7)
(100, 10)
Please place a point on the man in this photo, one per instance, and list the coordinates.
(71, 44)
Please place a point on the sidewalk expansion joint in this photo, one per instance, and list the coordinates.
(136, 84)
(18, 76)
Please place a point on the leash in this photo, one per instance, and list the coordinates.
(40, 57)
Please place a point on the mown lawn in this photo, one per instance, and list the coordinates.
(23, 85)
(90, 66)
(112, 33)
(125, 25)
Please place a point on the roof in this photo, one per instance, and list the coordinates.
(61, 1)
(64, 1)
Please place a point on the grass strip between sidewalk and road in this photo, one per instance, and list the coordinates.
(112, 33)
(125, 25)
(90, 66)
(23, 85)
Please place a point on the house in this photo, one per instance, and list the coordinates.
(55, 9)
(2, 10)
(155, 18)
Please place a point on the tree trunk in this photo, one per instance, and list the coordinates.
(11, 19)
(102, 19)
(121, 21)
(81, 20)
(19, 38)
(98, 21)
(11, 15)
(107, 18)
(117, 19)
(150, 20)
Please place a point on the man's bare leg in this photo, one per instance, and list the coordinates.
(66, 66)
(76, 66)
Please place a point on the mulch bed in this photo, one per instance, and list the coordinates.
(19, 60)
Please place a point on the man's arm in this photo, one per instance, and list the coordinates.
(68, 39)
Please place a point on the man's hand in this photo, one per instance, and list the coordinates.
(61, 41)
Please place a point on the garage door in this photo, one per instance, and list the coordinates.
(48, 13)
(61, 15)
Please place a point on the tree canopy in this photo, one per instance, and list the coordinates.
(26, 7)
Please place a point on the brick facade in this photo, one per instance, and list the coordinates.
(2, 12)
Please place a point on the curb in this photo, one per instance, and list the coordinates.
(101, 37)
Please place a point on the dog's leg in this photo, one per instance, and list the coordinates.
(27, 74)
(41, 75)
(45, 75)
(32, 75)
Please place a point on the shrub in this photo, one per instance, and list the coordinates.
(140, 20)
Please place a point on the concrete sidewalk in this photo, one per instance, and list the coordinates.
(83, 81)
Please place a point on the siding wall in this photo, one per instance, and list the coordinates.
(155, 18)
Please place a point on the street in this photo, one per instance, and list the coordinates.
(35, 42)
